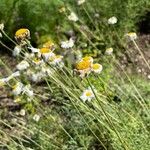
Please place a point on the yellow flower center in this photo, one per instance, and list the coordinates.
(83, 65)
(96, 66)
(109, 49)
(45, 50)
(88, 94)
(21, 32)
(132, 35)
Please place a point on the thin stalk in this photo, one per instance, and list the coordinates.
(108, 119)
(142, 55)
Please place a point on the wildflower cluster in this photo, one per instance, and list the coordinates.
(36, 64)
(85, 66)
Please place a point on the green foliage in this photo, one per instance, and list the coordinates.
(46, 16)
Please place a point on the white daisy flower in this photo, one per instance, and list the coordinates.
(79, 2)
(37, 77)
(22, 65)
(36, 117)
(17, 88)
(22, 112)
(73, 17)
(97, 68)
(112, 20)
(131, 36)
(27, 90)
(16, 50)
(87, 95)
(109, 51)
(67, 44)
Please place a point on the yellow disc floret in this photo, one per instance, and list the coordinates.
(82, 65)
(96, 66)
(22, 34)
(88, 94)
(45, 50)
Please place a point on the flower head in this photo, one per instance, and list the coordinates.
(87, 95)
(109, 51)
(67, 44)
(97, 68)
(17, 50)
(22, 34)
(83, 67)
(37, 77)
(112, 20)
(36, 117)
(22, 112)
(17, 88)
(73, 17)
(80, 2)
(131, 36)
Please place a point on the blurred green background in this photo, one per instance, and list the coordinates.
(42, 16)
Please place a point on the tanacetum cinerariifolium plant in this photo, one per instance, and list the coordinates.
(69, 103)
